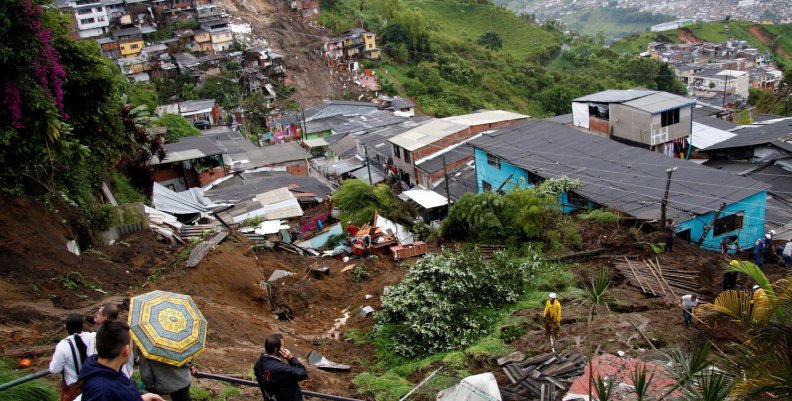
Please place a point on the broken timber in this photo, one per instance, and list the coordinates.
(542, 377)
(200, 250)
(657, 281)
(576, 255)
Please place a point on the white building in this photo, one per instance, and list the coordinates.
(667, 26)
(91, 17)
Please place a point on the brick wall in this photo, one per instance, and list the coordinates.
(211, 175)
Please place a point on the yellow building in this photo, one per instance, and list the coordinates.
(370, 50)
(130, 41)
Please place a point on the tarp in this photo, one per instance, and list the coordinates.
(280, 210)
(404, 235)
(186, 202)
(580, 114)
(481, 387)
(271, 227)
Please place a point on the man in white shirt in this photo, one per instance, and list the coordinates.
(70, 354)
(786, 254)
(109, 312)
(688, 303)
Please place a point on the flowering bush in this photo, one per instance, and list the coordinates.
(447, 300)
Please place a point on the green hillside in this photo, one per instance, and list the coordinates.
(469, 21)
(638, 43)
(721, 31)
(614, 22)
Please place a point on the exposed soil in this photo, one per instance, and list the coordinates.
(687, 36)
(242, 308)
(766, 39)
(300, 42)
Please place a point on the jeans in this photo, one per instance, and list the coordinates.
(687, 315)
(181, 395)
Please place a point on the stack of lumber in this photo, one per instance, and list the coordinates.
(189, 233)
(486, 251)
(542, 377)
(659, 281)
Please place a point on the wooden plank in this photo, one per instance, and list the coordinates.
(656, 278)
(636, 275)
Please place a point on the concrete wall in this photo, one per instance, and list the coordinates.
(753, 207)
(127, 218)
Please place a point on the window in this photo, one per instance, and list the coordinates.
(493, 161)
(576, 200)
(728, 224)
(84, 11)
(133, 46)
(406, 155)
(487, 186)
(669, 117)
(87, 21)
(397, 151)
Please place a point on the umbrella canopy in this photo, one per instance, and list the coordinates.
(167, 327)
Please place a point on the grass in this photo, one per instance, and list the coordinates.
(716, 32)
(614, 22)
(635, 44)
(35, 390)
(782, 35)
(466, 22)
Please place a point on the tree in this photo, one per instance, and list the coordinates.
(358, 201)
(178, 127)
(142, 94)
(490, 40)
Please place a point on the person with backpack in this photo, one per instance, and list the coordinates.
(69, 357)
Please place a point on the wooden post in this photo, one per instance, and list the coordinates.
(368, 166)
(711, 223)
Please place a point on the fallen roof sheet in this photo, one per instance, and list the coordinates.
(622, 371)
(271, 227)
(703, 136)
(616, 175)
(426, 198)
(186, 202)
(403, 235)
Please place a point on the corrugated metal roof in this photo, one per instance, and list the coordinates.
(486, 117)
(713, 122)
(187, 202)
(427, 134)
(338, 107)
(778, 134)
(615, 175)
(188, 148)
(313, 143)
(283, 152)
(659, 102)
(615, 96)
(196, 106)
(426, 198)
(362, 174)
(248, 185)
(435, 163)
(347, 165)
(703, 136)
(561, 119)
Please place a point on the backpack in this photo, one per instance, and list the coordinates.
(70, 391)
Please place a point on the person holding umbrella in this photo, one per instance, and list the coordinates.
(162, 378)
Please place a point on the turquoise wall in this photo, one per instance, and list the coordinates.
(496, 177)
(753, 207)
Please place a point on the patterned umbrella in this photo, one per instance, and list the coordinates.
(167, 327)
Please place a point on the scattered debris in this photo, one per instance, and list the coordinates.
(319, 272)
(278, 274)
(72, 247)
(318, 360)
(348, 268)
(515, 356)
(472, 388)
(541, 377)
(400, 252)
(366, 311)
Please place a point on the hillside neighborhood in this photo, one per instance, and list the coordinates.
(228, 174)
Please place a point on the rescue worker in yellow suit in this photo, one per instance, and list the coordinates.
(760, 303)
(552, 315)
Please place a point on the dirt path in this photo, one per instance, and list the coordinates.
(687, 36)
(766, 39)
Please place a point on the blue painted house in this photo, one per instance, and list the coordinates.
(624, 178)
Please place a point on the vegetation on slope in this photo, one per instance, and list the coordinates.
(433, 51)
(613, 22)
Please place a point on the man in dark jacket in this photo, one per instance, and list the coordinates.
(101, 375)
(277, 379)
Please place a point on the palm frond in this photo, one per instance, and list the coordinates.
(710, 385)
(737, 306)
(752, 271)
(598, 292)
(604, 389)
(688, 366)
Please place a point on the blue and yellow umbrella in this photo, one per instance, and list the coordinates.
(167, 327)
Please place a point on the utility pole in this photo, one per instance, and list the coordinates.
(448, 192)
(724, 91)
(664, 203)
(368, 166)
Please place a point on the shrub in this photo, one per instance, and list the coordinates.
(447, 300)
(178, 127)
(601, 216)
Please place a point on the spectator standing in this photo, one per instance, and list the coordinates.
(101, 376)
(277, 379)
(162, 378)
(70, 355)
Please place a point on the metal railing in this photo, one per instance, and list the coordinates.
(200, 375)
